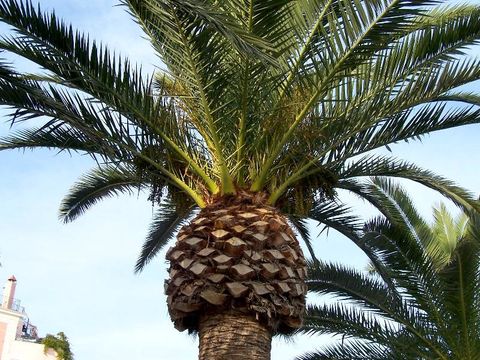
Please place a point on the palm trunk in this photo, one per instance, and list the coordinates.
(237, 277)
(233, 336)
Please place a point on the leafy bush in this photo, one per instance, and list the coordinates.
(60, 344)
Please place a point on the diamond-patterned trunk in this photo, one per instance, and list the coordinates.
(233, 336)
(237, 256)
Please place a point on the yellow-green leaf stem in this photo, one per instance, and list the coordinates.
(175, 180)
(243, 115)
(226, 180)
(303, 52)
(211, 185)
(293, 178)
(265, 169)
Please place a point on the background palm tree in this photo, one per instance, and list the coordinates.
(423, 302)
(265, 109)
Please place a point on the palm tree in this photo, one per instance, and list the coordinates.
(264, 110)
(423, 301)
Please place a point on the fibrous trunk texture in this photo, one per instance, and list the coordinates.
(237, 254)
(233, 336)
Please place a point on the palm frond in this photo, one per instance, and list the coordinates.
(402, 126)
(431, 307)
(446, 233)
(118, 89)
(352, 35)
(351, 350)
(74, 59)
(337, 216)
(195, 55)
(166, 222)
(102, 182)
(461, 96)
(461, 276)
(349, 322)
(397, 169)
(104, 127)
(301, 226)
(349, 284)
(53, 137)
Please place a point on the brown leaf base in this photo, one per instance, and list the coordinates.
(238, 256)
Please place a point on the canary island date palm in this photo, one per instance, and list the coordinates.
(423, 302)
(264, 109)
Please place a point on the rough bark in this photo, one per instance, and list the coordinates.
(238, 255)
(233, 336)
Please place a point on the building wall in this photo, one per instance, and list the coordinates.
(3, 332)
(12, 349)
(23, 350)
(10, 320)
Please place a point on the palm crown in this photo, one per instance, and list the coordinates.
(422, 303)
(273, 97)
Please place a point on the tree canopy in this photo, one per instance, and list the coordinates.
(286, 99)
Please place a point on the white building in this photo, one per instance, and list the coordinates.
(18, 338)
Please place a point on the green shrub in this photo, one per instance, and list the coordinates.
(60, 344)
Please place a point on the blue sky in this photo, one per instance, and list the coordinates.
(78, 278)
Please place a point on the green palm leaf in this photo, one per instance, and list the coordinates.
(166, 222)
(100, 183)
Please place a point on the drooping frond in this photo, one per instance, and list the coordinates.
(302, 228)
(166, 222)
(352, 286)
(396, 169)
(100, 183)
(122, 109)
(352, 350)
(331, 214)
(347, 321)
(53, 137)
